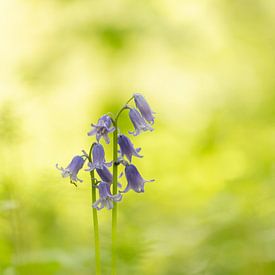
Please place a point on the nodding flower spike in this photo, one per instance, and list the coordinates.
(98, 158)
(102, 128)
(127, 147)
(144, 108)
(106, 199)
(134, 180)
(72, 169)
(138, 122)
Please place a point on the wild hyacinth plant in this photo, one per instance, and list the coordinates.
(142, 118)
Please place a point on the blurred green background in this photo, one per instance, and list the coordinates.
(207, 70)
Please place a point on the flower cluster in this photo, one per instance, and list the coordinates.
(142, 118)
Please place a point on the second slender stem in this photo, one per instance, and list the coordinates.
(114, 211)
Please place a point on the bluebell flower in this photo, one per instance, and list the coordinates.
(138, 122)
(134, 179)
(127, 147)
(106, 199)
(144, 108)
(98, 158)
(107, 176)
(102, 128)
(72, 169)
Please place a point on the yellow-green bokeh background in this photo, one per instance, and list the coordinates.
(207, 69)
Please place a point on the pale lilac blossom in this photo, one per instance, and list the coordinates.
(98, 158)
(102, 128)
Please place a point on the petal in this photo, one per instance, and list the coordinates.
(120, 175)
(78, 179)
(128, 187)
(76, 164)
(119, 185)
(91, 167)
(149, 180)
(98, 165)
(96, 204)
(98, 136)
(73, 178)
(135, 153)
(104, 190)
(108, 164)
(106, 138)
(134, 133)
(139, 188)
(109, 204)
(117, 197)
(65, 173)
(92, 132)
(59, 168)
(129, 156)
(110, 130)
(98, 153)
(150, 128)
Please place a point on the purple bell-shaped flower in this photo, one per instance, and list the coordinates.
(127, 147)
(72, 169)
(98, 158)
(134, 179)
(102, 128)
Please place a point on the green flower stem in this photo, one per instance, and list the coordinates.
(95, 219)
(114, 210)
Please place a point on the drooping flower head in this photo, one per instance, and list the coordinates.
(72, 169)
(98, 158)
(138, 122)
(102, 128)
(106, 199)
(134, 179)
(144, 108)
(127, 147)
